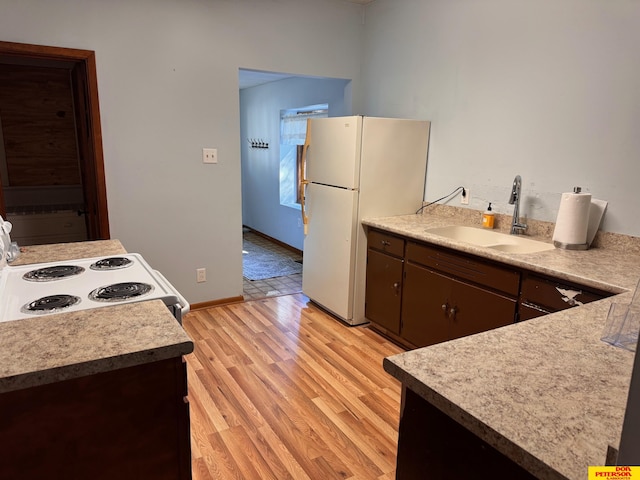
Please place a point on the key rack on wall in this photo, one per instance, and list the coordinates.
(258, 143)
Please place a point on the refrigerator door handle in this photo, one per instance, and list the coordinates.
(303, 181)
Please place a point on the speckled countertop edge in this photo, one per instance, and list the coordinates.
(52, 348)
(567, 427)
(597, 267)
(57, 252)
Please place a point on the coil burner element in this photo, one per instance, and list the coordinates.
(120, 291)
(111, 263)
(56, 272)
(50, 304)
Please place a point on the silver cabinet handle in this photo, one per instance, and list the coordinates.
(449, 311)
(385, 243)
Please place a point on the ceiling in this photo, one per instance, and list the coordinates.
(253, 78)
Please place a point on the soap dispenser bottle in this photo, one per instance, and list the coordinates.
(488, 218)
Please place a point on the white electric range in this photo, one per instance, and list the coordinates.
(59, 287)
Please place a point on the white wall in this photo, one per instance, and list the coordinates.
(260, 118)
(168, 86)
(542, 88)
(548, 89)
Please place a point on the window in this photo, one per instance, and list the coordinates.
(293, 129)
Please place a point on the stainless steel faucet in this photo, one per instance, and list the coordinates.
(516, 227)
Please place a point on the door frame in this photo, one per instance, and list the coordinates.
(85, 92)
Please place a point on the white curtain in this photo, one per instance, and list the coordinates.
(293, 127)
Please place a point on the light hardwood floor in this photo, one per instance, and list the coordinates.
(280, 390)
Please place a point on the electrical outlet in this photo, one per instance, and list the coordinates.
(209, 155)
(464, 196)
(201, 275)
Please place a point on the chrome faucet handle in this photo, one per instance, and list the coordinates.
(514, 196)
(518, 228)
(514, 199)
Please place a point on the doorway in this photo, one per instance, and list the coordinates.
(269, 206)
(51, 160)
(270, 268)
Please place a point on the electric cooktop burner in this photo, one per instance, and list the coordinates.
(111, 263)
(63, 286)
(50, 304)
(55, 272)
(120, 291)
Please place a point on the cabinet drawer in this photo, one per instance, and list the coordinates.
(527, 311)
(545, 292)
(486, 274)
(386, 242)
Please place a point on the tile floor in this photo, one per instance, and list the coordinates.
(255, 289)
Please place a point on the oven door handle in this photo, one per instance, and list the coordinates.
(184, 305)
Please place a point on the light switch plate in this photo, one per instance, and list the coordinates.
(209, 155)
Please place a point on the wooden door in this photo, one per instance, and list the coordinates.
(81, 64)
(86, 152)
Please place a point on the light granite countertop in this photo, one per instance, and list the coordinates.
(58, 252)
(547, 392)
(41, 350)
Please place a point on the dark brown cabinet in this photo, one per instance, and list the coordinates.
(384, 280)
(451, 309)
(425, 310)
(447, 295)
(419, 294)
(130, 423)
(433, 445)
(540, 295)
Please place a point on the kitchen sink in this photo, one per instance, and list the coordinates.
(491, 239)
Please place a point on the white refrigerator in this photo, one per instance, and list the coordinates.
(356, 167)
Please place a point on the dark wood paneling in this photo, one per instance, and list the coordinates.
(38, 125)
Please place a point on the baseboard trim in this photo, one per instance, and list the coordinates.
(275, 240)
(215, 303)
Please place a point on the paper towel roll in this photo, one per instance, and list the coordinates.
(572, 222)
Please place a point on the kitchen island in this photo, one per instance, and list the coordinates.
(543, 398)
(97, 393)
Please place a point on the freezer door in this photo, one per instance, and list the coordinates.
(333, 157)
(329, 249)
(393, 166)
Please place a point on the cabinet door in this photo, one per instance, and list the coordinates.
(425, 293)
(383, 292)
(475, 310)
